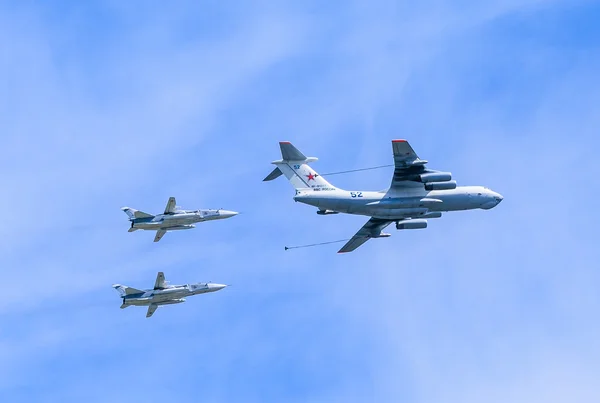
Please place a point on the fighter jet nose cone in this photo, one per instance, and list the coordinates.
(498, 198)
(227, 213)
(216, 287)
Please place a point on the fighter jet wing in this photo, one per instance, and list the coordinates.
(407, 165)
(160, 281)
(159, 234)
(151, 309)
(372, 229)
(171, 204)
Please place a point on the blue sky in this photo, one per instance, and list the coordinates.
(105, 104)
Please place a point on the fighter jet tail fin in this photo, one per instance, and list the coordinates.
(295, 166)
(124, 290)
(133, 213)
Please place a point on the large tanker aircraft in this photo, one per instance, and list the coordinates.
(415, 195)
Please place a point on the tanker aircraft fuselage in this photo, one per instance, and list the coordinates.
(400, 204)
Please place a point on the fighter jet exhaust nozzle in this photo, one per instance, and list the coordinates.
(449, 185)
(411, 224)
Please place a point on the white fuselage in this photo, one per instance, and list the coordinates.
(180, 220)
(399, 204)
(170, 295)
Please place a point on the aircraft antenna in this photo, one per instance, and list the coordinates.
(357, 170)
(315, 244)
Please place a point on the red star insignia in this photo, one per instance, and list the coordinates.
(311, 177)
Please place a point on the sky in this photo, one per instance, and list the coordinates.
(105, 104)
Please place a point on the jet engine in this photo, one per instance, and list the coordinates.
(448, 185)
(435, 177)
(411, 224)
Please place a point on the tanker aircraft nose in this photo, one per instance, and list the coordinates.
(494, 200)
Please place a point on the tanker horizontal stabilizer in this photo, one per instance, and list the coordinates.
(295, 166)
(276, 173)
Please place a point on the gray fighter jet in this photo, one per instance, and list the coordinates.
(416, 193)
(172, 219)
(162, 293)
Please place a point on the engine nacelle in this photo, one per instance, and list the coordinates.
(411, 224)
(435, 177)
(449, 185)
(326, 212)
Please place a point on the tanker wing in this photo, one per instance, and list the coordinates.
(372, 229)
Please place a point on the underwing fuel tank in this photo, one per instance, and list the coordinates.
(326, 212)
(171, 302)
(411, 224)
(181, 227)
(179, 216)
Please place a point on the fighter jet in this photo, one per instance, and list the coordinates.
(162, 293)
(416, 193)
(172, 219)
